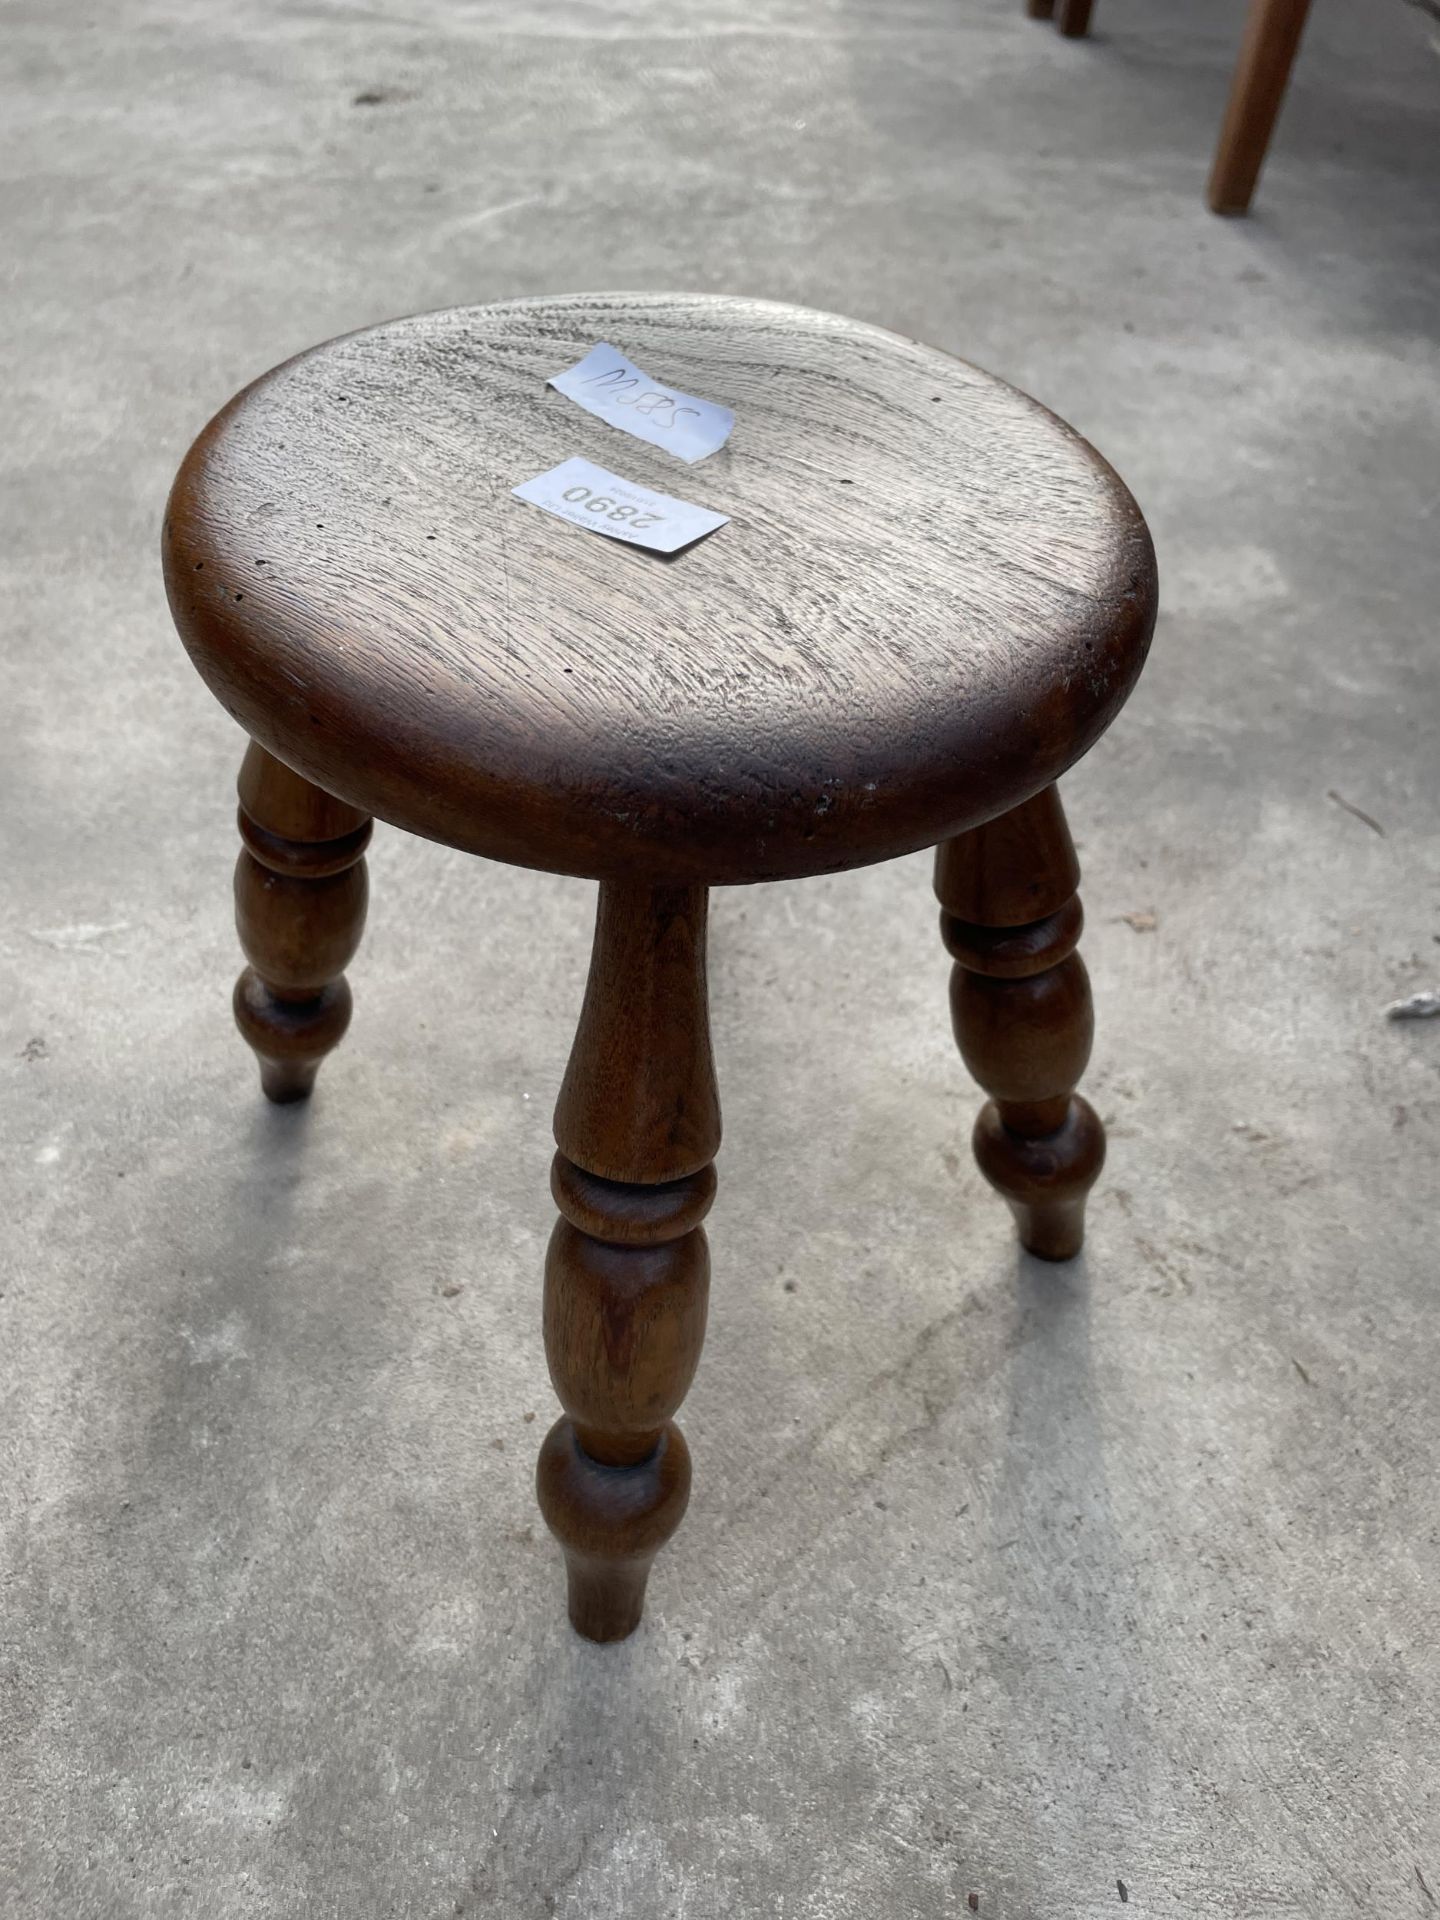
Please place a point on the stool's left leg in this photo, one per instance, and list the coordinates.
(1074, 18)
(300, 895)
(627, 1275)
(1020, 1001)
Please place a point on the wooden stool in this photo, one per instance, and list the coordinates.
(931, 599)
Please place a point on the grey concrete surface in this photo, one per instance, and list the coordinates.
(997, 1579)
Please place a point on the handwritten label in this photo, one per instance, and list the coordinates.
(614, 389)
(588, 496)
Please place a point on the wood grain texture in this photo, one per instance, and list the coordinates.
(933, 596)
(1020, 1005)
(1267, 53)
(300, 898)
(627, 1274)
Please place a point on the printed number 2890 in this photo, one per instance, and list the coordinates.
(601, 504)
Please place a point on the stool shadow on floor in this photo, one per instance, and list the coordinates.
(227, 1310)
(1075, 1668)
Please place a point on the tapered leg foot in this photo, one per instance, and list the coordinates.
(290, 1037)
(1046, 1177)
(300, 897)
(1020, 1006)
(1267, 52)
(610, 1522)
(627, 1274)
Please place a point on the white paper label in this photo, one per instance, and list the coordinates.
(588, 496)
(614, 389)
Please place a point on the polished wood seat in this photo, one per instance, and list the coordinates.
(932, 597)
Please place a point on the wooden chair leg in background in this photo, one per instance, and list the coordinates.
(1020, 1003)
(300, 895)
(627, 1275)
(1040, 9)
(1272, 33)
(1074, 19)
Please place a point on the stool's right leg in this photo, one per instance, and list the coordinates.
(1020, 1002)
(300, 894)
(1074, 18)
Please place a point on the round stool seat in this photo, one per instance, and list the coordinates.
(931, 598)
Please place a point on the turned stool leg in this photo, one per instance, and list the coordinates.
(1020, 1002)
(627, 1274)
(300, 895)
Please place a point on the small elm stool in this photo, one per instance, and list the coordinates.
(931, 599)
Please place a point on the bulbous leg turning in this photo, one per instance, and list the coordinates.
(1020, 1006)
(611, 1522)
(300, 897)
(627, 1274)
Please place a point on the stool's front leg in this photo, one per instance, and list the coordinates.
(300, 894)
(1020, 1002)
(627, 1275)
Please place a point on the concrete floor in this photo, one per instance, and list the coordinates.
(998, 1579)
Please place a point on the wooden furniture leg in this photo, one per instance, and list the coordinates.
(1272, 33)
(627, 1274)
(1074, 19)
(1040, 9)
(1020, 1003)
(300, 894)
